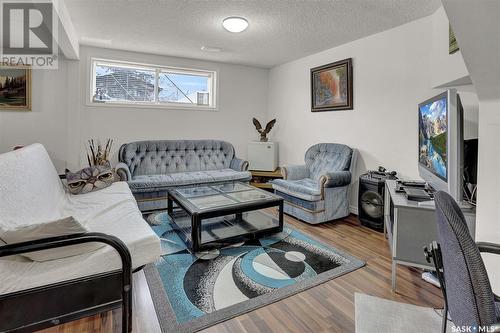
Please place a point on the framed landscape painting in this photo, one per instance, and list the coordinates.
(15, 88)
(331, 86)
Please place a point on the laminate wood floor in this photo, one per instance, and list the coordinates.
(328, 307)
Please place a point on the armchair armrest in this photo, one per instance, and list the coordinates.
(123, 172)
(335, 179)
(294, 172)
(66, 240)
(238, 164)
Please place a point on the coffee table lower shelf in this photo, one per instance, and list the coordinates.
(225, 230)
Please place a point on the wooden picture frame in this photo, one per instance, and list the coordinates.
(15, 88)
(332, 86)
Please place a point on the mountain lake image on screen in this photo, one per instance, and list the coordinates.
(433, 136)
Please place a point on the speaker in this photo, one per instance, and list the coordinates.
(371, 199)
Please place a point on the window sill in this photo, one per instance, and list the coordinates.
(151, 106)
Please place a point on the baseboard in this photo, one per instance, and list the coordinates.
(353, 209)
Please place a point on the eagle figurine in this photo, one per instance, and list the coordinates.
(263, 132)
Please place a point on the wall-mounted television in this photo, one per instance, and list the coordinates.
(440, 142)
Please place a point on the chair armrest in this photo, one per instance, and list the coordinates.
(294, 172)
(335, 179)
(485, 247)
(123, 172)
(238, 164)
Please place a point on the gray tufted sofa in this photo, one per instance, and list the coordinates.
(152, 167)
(318, 191)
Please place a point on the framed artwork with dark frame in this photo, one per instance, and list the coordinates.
(15, 88)
(331, 86)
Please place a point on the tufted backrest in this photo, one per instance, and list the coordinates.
(327, 157)
(171, 156)
(468, 289)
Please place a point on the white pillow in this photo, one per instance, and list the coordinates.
(64, 226)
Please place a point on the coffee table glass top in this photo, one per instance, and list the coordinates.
(217, 196)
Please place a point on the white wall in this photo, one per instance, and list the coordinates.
(63, 122)
(46, 123)
(477, 29)
(391, 75)
(242, 95)
(488, 212)
(445, 67)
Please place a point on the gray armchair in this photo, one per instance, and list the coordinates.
(466, 288)
(318, 191)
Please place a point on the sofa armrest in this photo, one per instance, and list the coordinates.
(294, 172)
(67, 240)
(123, 172)
(335, 179)
(238, 164)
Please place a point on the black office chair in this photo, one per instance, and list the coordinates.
(466, 288)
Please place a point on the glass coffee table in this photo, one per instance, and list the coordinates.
(218, 215)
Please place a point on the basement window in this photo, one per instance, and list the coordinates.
(131, 84)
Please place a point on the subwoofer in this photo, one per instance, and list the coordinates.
(371, 199)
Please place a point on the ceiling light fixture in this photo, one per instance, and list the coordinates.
(235, 24)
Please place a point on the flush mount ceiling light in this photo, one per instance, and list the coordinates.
(235, 24)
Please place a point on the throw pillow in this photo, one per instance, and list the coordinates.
(61, 227)
(89, 179)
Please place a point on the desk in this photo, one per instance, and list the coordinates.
(410, 226)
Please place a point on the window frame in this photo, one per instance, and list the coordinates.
(158, 69)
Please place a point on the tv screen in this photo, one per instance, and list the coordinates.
(433, 136)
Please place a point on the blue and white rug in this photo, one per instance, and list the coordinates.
(193, 291)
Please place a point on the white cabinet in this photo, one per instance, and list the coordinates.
(263, 156)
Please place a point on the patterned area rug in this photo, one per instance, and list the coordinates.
(193, 291)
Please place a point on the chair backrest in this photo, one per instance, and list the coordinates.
(170, 156)
(327, 157)
(30, 188)
(468, 289)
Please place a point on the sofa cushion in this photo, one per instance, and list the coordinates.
(147, 183)
(306, 188)
(60, 227)
(312, 206)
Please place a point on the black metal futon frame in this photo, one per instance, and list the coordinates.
(57, 303)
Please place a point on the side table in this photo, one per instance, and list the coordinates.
(261, 179)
